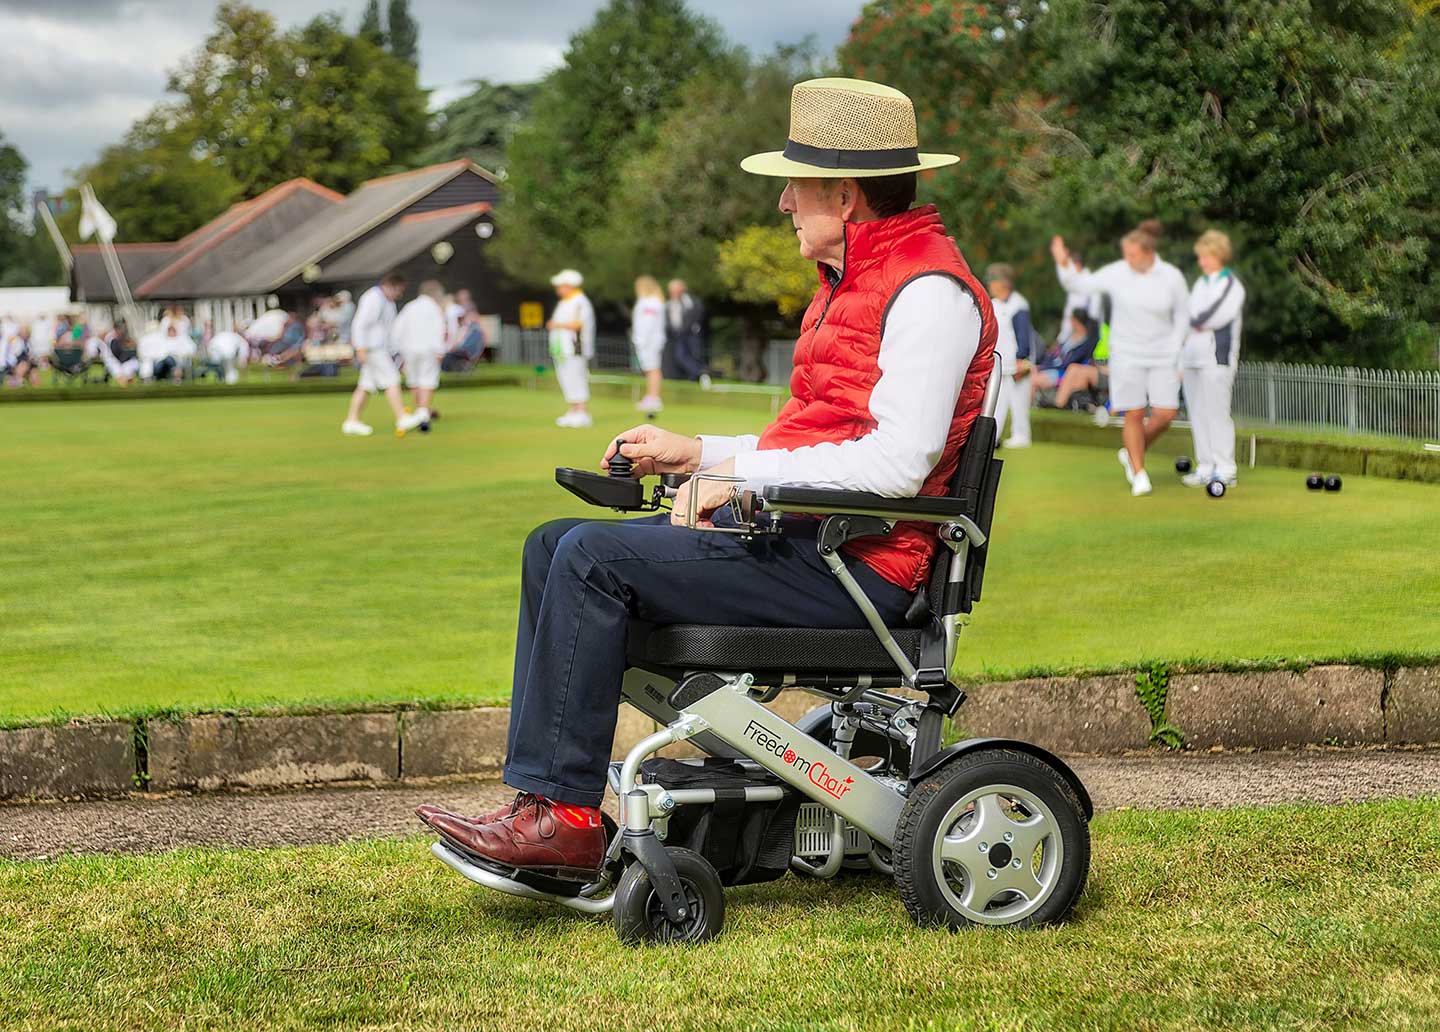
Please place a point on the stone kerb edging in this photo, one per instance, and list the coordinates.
(1328, 705)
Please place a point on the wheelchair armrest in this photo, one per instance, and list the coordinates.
(820, 501)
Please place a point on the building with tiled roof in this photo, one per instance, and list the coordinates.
(299, 239)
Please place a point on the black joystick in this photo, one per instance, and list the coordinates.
(619, 465)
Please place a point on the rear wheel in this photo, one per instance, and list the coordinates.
(995, 837)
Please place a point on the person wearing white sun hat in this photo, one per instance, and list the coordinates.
(572, 345)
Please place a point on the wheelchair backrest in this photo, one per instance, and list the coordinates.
(976, 481)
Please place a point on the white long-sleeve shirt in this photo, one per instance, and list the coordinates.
(374, 316)
(1012, 319)
(930, 337)
(1216, 315)
(419, 329)
(1149, 311)
(647, 323)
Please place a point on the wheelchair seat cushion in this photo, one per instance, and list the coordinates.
(768, 649)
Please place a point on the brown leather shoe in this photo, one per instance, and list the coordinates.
(428, 811)
(532, 838)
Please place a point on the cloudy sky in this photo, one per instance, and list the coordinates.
(75, 73)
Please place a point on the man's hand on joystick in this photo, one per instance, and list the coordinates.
(651, 450)
(618, 464)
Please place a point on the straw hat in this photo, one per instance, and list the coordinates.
(567, 278)
(847, 129)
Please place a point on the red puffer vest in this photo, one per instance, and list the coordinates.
(836, 365)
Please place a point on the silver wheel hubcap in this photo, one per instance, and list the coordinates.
(997, 857)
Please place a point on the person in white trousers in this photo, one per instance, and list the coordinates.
(231, 351)
(1014, 341)
(647, 334)
(420, 334)
(1209, 358)
(370, 336)
(1149, 320)
(572, 345)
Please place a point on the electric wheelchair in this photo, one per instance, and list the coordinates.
(987, 831)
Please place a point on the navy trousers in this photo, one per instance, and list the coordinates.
(583, 581)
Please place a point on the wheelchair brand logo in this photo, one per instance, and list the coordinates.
(815, 772)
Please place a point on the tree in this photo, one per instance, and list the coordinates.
(675, 201)
(761, 265)
(27, 258)
(620, 76)
(403, 35)
(479, 125)
(1276, 122)
(154, 184)
(315, 101)
(371, 31)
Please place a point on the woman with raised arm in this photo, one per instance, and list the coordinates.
(1211, 353)
(1149, 320)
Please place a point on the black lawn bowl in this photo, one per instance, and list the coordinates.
(1333, 483)
(1215, 489)
(1183, 464)
(1314, 481)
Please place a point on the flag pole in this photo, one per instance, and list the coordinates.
(47, 217)
(116, 271)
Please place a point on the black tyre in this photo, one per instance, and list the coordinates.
(995, 837)
(640, 916)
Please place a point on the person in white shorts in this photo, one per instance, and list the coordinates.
(370, 336)
(1209, 358)
(419, 336)
(1014, 340)
(647, 333)
(1149, 320)
(572, 345)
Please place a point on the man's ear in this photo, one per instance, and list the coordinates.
(850, 198)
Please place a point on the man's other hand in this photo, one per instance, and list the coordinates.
(709, 496)
(655, 451)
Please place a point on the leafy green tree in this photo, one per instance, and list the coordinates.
(761, 265)
(402, 34)
(675, 201)
(153, 184)
(1305, 130)
(27, 257)
(371, 31)
(479, 125)
(621, 74)
(315, 101)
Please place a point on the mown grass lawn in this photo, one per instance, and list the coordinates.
(1292, 918)
(238, 552)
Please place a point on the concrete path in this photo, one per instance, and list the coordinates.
(142, 823)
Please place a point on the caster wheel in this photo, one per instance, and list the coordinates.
(640, 917)
(995, 837)
(1215, 489)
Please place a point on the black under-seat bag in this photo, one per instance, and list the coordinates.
(744, 842)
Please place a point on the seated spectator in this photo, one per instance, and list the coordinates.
(267, 329)
(1085, 332)
(15, 364)
(164, 353)
(116, 355)
(469, 351)
(230, 352)
(289, 348)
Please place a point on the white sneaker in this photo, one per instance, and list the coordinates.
(1124, 457)
(409, 421)
(1196, 479)
(1140, 485)
(1015, 442)
(355, 428)
(575, 420)
(650, 404)
(704, 381)
(1101, 416)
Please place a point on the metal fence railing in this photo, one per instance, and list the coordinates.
(1386, 402)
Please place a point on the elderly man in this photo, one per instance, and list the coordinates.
(894, 354)
(684, 333)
